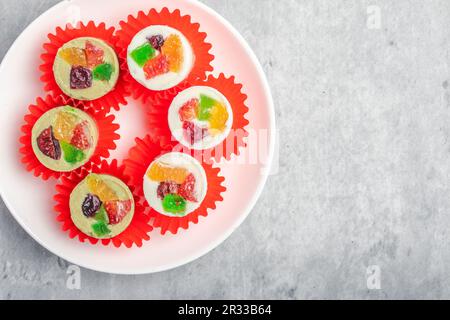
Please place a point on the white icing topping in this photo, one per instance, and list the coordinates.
(177, 159)
(176, 125)
(164, 81)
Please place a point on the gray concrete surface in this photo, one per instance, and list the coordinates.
(364, 171)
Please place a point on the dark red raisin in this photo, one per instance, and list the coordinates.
(80, 78)
(90, 205)
(193, 133)
(156, 41)
(48, 145)
(167, 187)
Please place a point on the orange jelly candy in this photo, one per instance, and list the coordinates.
(65, 123)
(219, 118)
(161, 172)
(74, 56)
(173, 50)
(99, 187)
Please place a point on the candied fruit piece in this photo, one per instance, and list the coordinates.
(167, 187)
(156, 41)
(187, 188)
(173, 49)
(219, 118)
(71, 154)
(90, 205)
(161, 172)
(80, 78)
(74, 56)
(48, 145)
(99, 187)
(193, 133)
(117, 210)
(94, 55)
(174, 203)
(101, 215)
(142, 54)
(156, 67)
(103, 72)
(188, 110)
(65, 124)
(81, 137)
(100, 229)
(204, 110)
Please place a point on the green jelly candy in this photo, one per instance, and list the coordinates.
(101, 215)
(206, 104)
(100, 229)
(142, 54)
(174, 203)
(103, 71)
(72, 154)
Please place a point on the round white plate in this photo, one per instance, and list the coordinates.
(30, 199)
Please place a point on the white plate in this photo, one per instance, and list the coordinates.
(30, 199)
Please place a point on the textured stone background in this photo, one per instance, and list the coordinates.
(363, 173)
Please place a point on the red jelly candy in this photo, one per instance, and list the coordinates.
(187, 110)
(94, 55)
(117, 210)
(156, 67)
(80, 78)
(81, 138)
(187, 188)
(48, 144)
(193, 133)
(167, 187)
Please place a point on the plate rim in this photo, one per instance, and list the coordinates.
(250, 205)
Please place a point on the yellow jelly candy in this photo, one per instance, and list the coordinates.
(219, 118)
(173, 50)
(99, 187)
(161, 172)
(65, 123)
(74, 56)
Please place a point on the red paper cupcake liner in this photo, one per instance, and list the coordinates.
(190, 30)
(141, 156)
(116, 97)
(158, 118)
(106, 128)
(136, 232)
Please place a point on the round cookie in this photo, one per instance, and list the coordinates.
(160, 57)
(200, 117)
(86, 68)
(175, 184)
(101, 206)
(64, 138)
